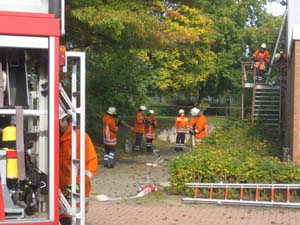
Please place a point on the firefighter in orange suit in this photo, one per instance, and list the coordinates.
(281, 59)
(181, 125)
(261, 57)
(139, 128)
(65, 157)
(150, 125)
(110, 130)
(198, 126)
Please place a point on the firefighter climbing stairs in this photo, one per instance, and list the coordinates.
(245, 194)
(267, 100)
(266, 107)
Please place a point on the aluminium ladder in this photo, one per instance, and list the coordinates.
(76, 106)
(255, 189)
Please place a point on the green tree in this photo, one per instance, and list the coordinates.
(153, 47)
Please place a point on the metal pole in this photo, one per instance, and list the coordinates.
(276, 45)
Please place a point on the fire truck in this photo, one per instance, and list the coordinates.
(31, 95)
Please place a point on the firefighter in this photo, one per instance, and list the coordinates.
(65, 157)
(282, 59)
(139, 128)
(181, 125)
(281, 63)
(150, 125)
(110, 130)
(198, 126)
(261, 57)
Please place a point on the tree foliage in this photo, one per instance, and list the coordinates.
(159, 48)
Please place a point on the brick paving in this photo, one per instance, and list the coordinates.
(120, 213)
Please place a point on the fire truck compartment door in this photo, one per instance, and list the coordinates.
(17, 79)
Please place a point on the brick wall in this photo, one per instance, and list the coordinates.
(292, 139)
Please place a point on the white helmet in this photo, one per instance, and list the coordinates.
(142, 108)
(180, 111)
(277, 56)
(63, 113)
(112, 111)
(263, 45)
(195, 111)
(151, 111)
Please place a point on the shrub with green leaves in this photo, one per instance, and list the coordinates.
(237, 152)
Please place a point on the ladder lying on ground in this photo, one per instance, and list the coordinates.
(227, 189)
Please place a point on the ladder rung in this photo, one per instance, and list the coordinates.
(77, 161)
(76, 127)
(76, 194)
(76, 93)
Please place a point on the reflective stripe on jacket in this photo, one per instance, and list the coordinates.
(181, 124)
(139, 125)
(150, 125)
(109, 130)
(263, 59)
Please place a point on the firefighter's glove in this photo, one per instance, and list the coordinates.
(68, 191)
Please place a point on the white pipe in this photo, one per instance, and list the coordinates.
(142, 193)
(276, 45)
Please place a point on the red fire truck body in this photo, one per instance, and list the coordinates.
(29, 99)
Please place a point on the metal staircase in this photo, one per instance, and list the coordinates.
(266, 107)
(267, 100)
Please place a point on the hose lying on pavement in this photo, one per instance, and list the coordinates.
(106, 198)
(144, 189)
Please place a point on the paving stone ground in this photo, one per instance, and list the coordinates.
(161, 209)
(119, 213)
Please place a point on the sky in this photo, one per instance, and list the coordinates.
(275, 8)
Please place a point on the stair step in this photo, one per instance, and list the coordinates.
(267, 92)
(266, 114)
(270, 106)
(267, 119)
(266, 107)
(267, 101)
(267, 97)
(267, 110)
(266, 87)
(271, 124)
